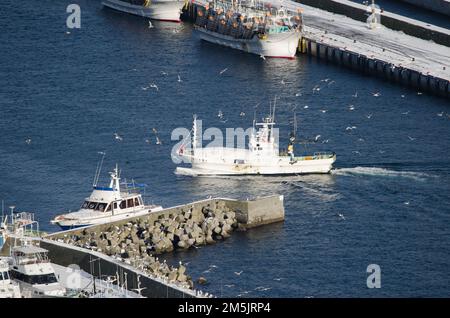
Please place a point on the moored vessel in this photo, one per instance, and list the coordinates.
(163, 10)
(107, 204)
(254, 28)
(31, 268)
(8, 288)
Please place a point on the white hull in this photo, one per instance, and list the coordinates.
(222, 161)
(319, 166)
(101, 219)
(282, 45)
(165, 10)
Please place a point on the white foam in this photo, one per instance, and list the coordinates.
(322, 193)
(381, 172)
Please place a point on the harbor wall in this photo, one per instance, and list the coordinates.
(258, 212)
(390, 20)
(98, 264)
(249, 213)
(370, 66)
(439, 6)
(375, 67)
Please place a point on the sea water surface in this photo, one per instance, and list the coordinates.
(386, 203)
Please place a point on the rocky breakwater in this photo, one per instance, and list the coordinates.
(139, 241)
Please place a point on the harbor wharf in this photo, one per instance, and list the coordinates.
(392, 55)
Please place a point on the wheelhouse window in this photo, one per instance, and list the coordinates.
(92, 205)
(108, 208)
(85, 205)
(101, 207)
(123, 204)
(35, 279)
(4, 275)
(136, 202)
(130, 203)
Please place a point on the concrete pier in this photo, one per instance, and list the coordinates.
(390, 20)
(395, 56)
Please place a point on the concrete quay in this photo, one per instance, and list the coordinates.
(391, 55)
(390, 20)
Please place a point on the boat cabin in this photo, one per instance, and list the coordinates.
(114, 198)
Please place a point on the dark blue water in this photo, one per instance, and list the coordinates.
(411, 11)
(70, 92)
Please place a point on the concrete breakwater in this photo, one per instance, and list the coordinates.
(137, 242)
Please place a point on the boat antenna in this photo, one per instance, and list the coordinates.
(274, 107)
(194, 134)
(99, 168)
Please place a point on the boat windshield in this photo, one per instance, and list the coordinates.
(35, 279)
(98, 206)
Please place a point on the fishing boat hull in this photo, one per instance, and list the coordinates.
(65, 222)
(282, 45)
(163, 10)
(282, 166)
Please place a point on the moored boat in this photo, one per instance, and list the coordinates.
(8, 287)
(262, 30)
(31, 268)
(163, 10)
(107, 204)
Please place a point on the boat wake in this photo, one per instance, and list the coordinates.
(380, 172)
(317, 191)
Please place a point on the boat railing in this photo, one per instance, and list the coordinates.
(324, 155)
(317, 156)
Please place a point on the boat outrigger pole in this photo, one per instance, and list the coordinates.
(98, 169)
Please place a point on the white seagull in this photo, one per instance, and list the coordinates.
(223, 71)
(118, 137)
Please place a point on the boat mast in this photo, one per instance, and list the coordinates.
(274, 107)
(98, 170)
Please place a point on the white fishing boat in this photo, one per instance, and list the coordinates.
(32, 269)
(258, 29)
(163, 10)
(107, 204)
(8, 287)
(261, 158)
